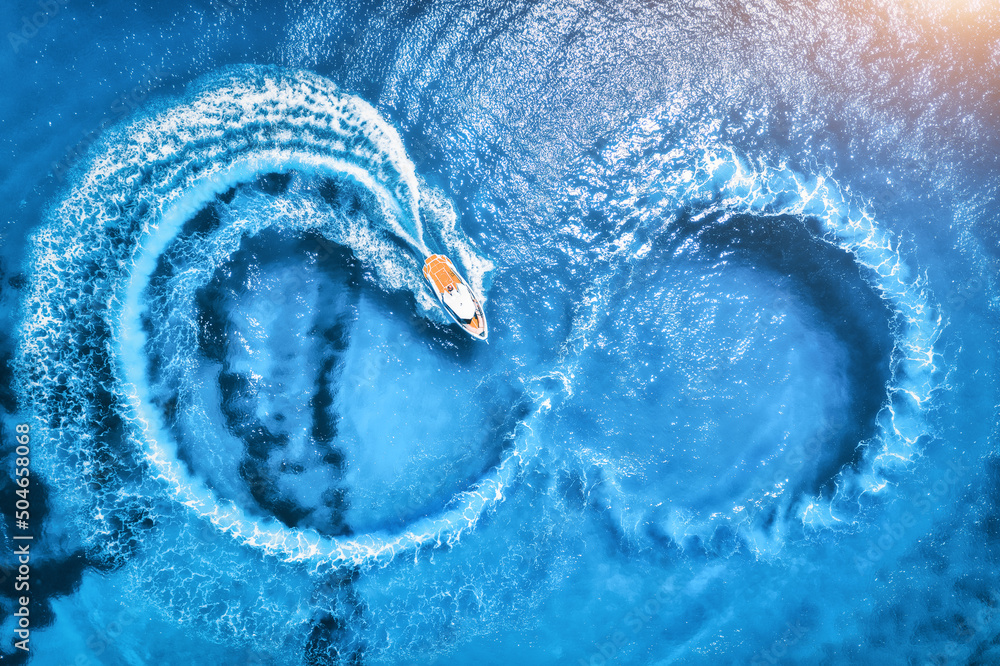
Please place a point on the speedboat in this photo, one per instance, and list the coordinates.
(455, 295)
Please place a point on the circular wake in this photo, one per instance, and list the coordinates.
(135, 307)
(815, 388)
(94, 325)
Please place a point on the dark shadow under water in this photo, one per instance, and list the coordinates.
(829, 280)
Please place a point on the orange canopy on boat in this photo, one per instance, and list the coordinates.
(439, 270)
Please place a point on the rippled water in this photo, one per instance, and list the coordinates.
(737, 258)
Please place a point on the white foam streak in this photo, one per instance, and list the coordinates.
(917, 326)
(714, 179)
(96, 255)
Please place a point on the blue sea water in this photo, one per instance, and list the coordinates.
(738, 260)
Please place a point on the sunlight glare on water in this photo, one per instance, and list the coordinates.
(737, 260)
